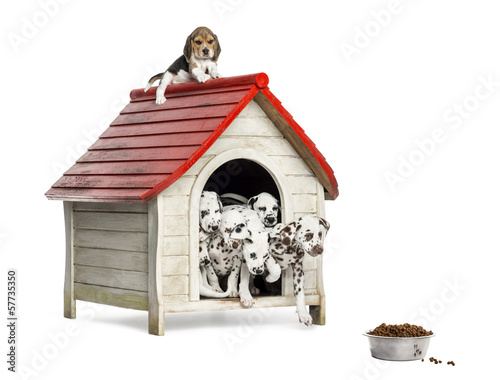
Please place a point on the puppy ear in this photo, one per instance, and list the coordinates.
(324, 223)
(240, 232)
(252, 201)
(287, 234)
(275, 231)
(188, 48)
(217, 49)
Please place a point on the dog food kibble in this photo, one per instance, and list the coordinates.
(401, 331)
(436, 361)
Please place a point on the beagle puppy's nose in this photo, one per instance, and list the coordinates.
(205, 51)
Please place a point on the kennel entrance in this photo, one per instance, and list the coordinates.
(247, 179)
(242, 177)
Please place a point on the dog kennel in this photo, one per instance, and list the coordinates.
(131, 201)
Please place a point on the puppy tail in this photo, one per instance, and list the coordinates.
(208, 292)
(152, 80)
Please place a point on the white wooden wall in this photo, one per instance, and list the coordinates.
(111, 254)
(252, 129)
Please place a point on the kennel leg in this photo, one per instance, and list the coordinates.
(318, 312)
(156, 316)
(69, 276)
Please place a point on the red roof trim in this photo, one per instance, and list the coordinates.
(261, 80)
(307, 141)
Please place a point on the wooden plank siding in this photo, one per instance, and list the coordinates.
(176, 234)
(111, 254)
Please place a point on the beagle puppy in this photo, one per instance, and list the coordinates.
(199, 62)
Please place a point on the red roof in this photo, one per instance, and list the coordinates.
(149, 147)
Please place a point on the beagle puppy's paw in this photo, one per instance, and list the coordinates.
(203, 78)
(160, 100)
(214, 73)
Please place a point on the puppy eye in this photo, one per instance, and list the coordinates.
(216, 211)
(204, 213)
(262, 209)
(320, 234)
(308, 236)
(211, 41)
(275, 208)
(197, 42)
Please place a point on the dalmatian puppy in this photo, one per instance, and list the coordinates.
(210, 221)
(289, 244)
(225, 252)
(255, 251)
(267, 207)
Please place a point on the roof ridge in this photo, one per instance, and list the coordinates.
(261, 80)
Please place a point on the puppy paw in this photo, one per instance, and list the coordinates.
(160, 100)
(233, 294)
(215, 75)
(273, 277)
(304, 317)
(274, 271)
(203, 78)
(246, 300)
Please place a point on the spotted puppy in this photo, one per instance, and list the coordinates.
(199, 62)
(225, 252)
(210, 221)
(255, 251)
(288, 246)
(267, 207)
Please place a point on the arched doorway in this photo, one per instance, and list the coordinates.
(242, 171)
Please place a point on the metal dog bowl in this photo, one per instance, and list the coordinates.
(389, 348)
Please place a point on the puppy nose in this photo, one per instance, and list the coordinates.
(205, 51)
(215, 228)
(318, 250)
(259, 271)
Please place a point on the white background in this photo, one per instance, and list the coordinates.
(422, 250)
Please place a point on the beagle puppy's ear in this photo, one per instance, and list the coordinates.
(217, 49)
(287, 234)
(188, 48)
(323, 222)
